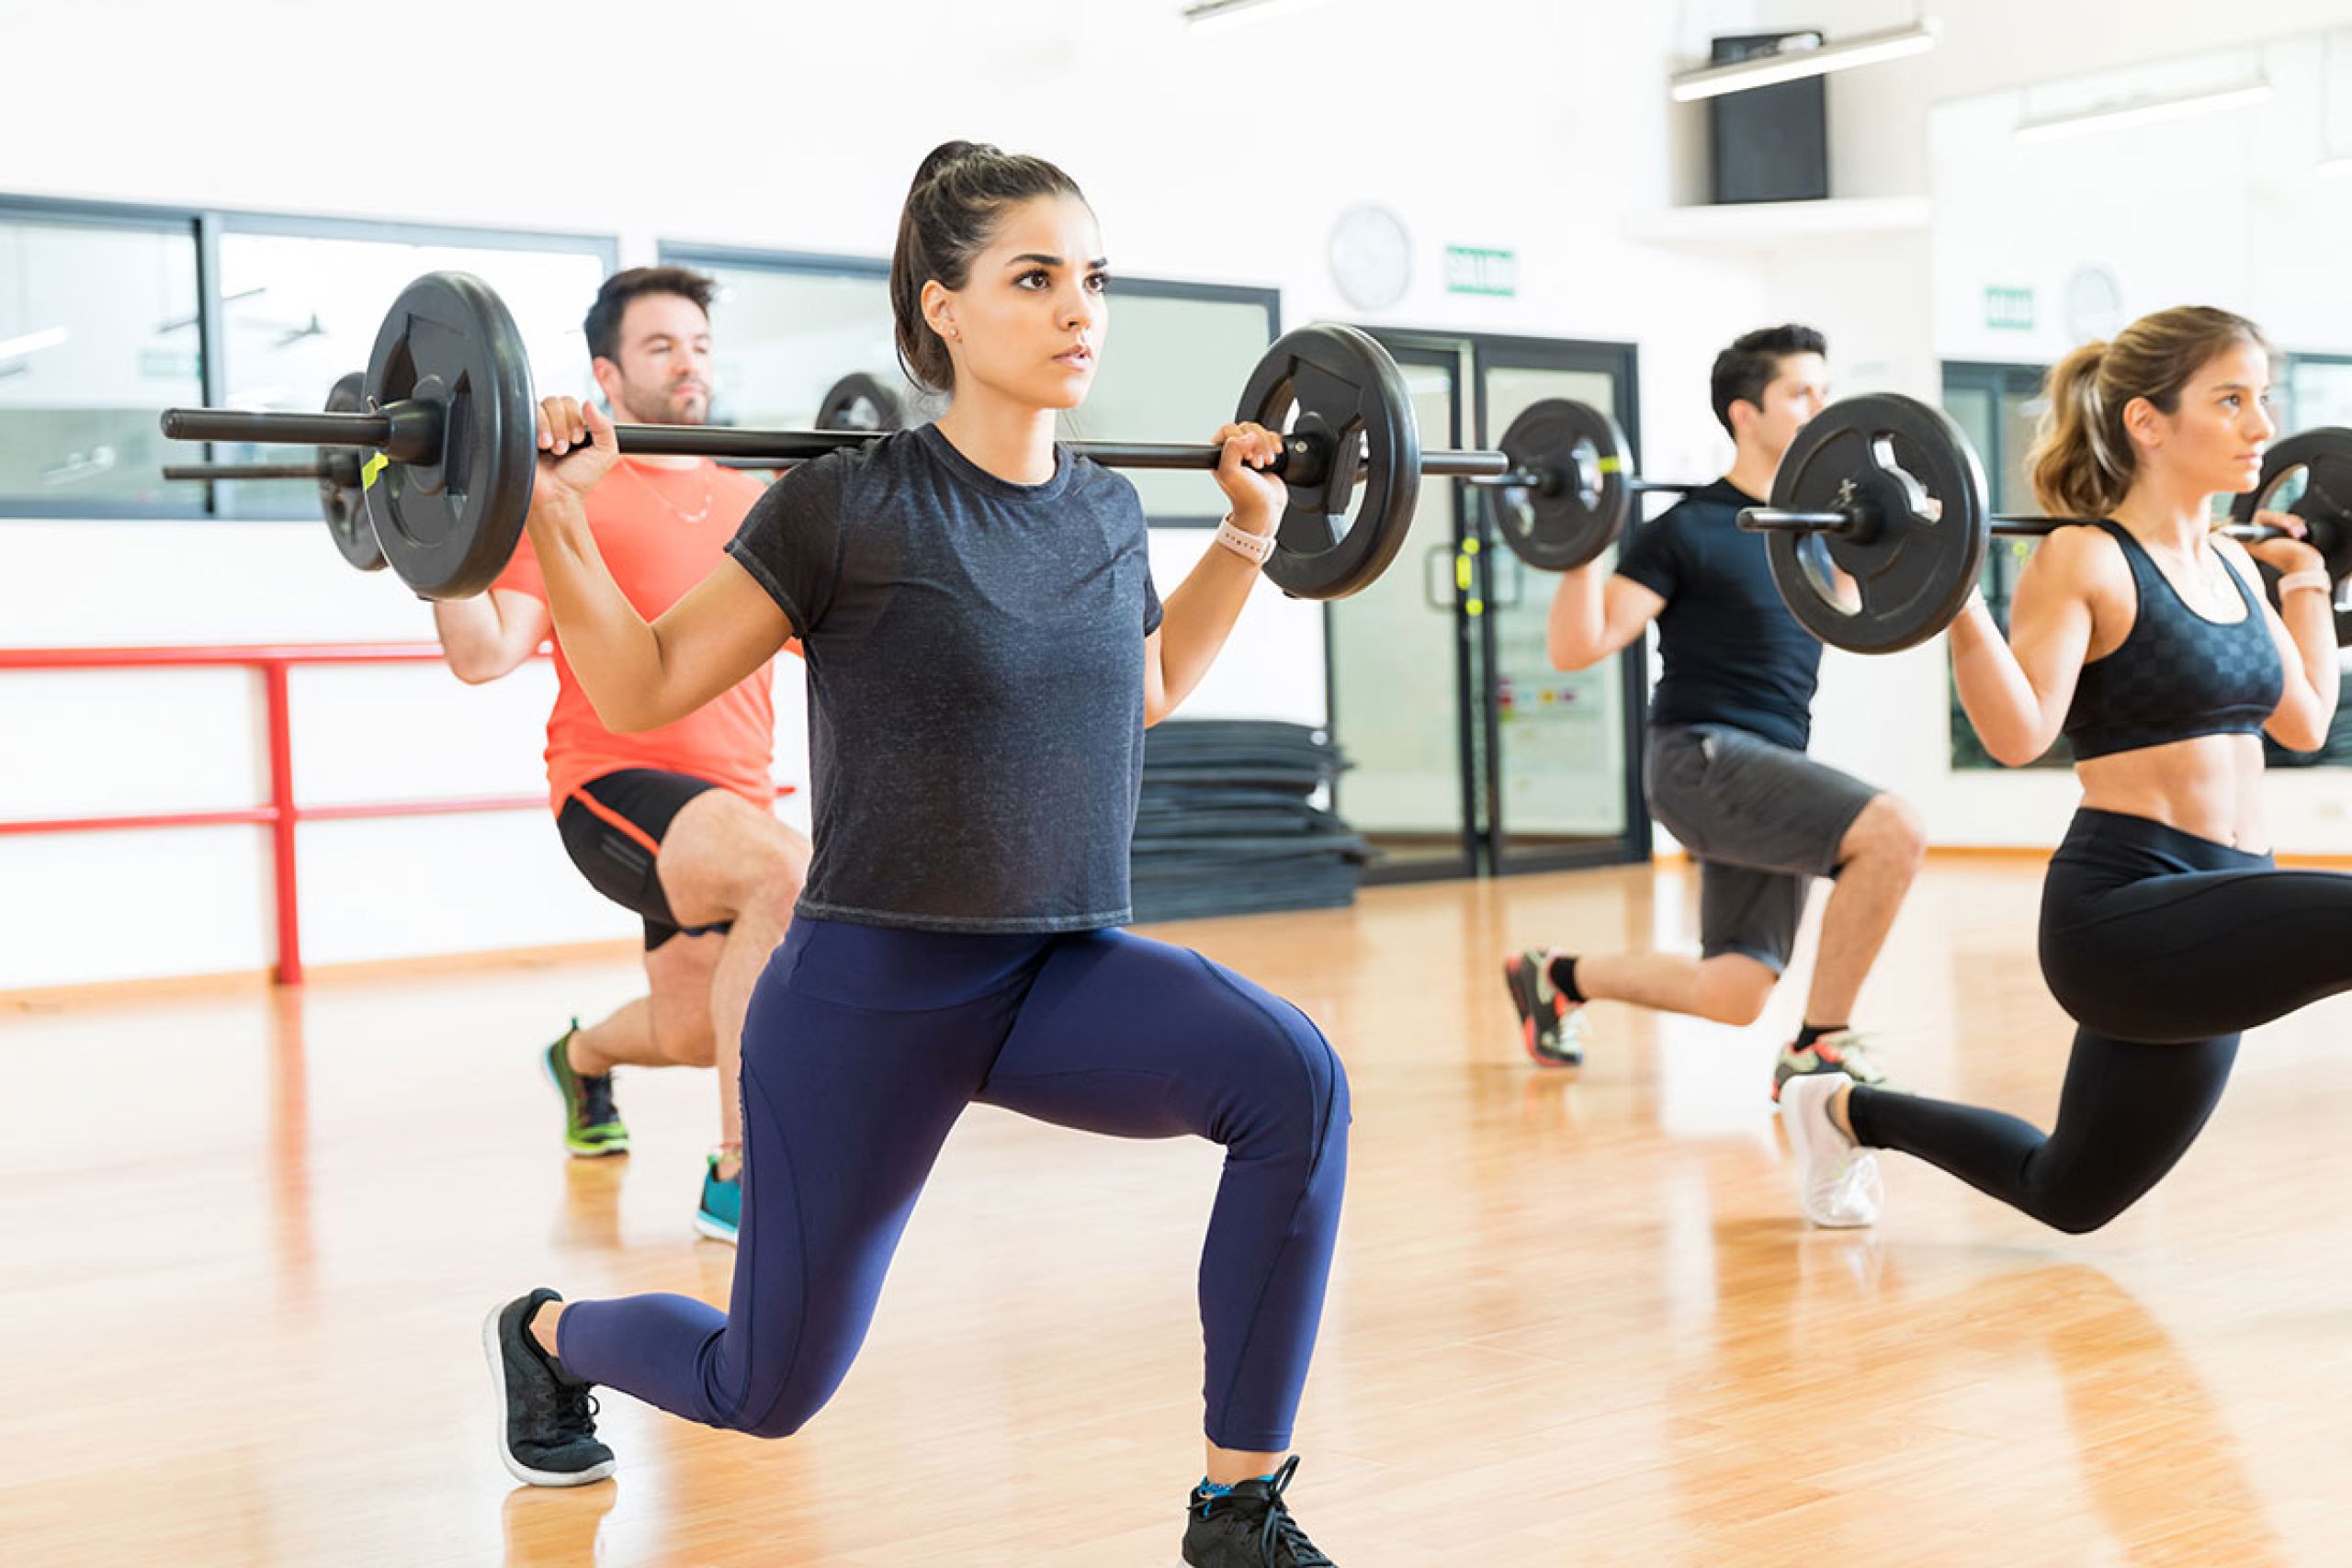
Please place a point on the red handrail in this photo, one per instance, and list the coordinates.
(282, 813)
(193, 655)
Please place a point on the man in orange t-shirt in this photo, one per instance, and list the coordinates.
(676, 824)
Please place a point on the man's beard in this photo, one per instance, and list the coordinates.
(663, 408)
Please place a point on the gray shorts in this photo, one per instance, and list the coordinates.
(1761, 820)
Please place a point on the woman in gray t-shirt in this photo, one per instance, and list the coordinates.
(985, 649)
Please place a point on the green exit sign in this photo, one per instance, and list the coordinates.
(1476, 269)
(2009, 310)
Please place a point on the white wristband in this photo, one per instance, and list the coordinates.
(1259, 548)
(2310, 576)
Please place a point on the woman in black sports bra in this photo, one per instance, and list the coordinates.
(2144, 639)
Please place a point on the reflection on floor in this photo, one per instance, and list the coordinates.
(248, 1243)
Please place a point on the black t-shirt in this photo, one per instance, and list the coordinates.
(1732, 652)
(974, 654)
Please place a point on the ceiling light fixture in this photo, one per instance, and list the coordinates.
(1208, 16)
(32, 342)
(1798, 62)
(2121, 112)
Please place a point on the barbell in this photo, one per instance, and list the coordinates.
(450, 416)
(857, 401)
(1878, 518)
(1878, 522)
(335, 470)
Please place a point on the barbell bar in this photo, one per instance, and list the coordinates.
(449, 414)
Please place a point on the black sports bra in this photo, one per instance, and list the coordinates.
(2177, 675)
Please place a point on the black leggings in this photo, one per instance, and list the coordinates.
(2162, 946)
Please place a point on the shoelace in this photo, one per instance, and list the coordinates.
(572, 1410)
(1856, 1179)
(596, 1099)
(560, 1406)
(580, 1410)
(1278, 1529)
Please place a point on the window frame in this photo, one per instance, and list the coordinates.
(2290, 360)
(119, 217)
(205, 227)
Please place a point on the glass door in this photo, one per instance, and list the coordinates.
(1562, 780)
(1402, 669)
(1467, 752)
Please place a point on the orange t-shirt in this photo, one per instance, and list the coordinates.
(660, 532)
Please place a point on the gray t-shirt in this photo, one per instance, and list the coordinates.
(975, 656)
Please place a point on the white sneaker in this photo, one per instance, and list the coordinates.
(1838, 1179)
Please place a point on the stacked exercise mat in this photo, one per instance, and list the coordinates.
(1227, 826)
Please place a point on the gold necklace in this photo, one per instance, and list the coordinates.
(2198, 566)
(708, 493)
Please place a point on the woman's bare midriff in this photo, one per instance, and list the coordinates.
(2210, 786)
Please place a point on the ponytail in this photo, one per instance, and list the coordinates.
(2083, 461)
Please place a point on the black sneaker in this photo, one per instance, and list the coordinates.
(1551, 1027)
(547, 1423)
(1248, 1526)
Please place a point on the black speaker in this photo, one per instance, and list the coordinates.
(1769, 143)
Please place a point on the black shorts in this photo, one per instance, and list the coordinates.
(613, 827)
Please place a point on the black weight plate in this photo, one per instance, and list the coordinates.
(859, 401)
(2323, 459)
(1586, 496)
(339, 497)
(1336, 387)
(448, 523)
(1910, 476)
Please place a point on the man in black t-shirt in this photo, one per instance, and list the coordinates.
(1725, 764)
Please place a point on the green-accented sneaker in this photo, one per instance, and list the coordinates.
(1843, 1051)
(592, 1122)
(1551, 1027)
(722, 1204)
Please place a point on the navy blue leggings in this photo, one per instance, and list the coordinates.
(2162, 946)
(861, 1049)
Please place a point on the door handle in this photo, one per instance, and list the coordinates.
(1450, 578)
(1511, 591)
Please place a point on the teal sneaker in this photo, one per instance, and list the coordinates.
(722, 1204)
(592, 1122)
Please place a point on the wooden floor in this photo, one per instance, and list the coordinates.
(245, 1244)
